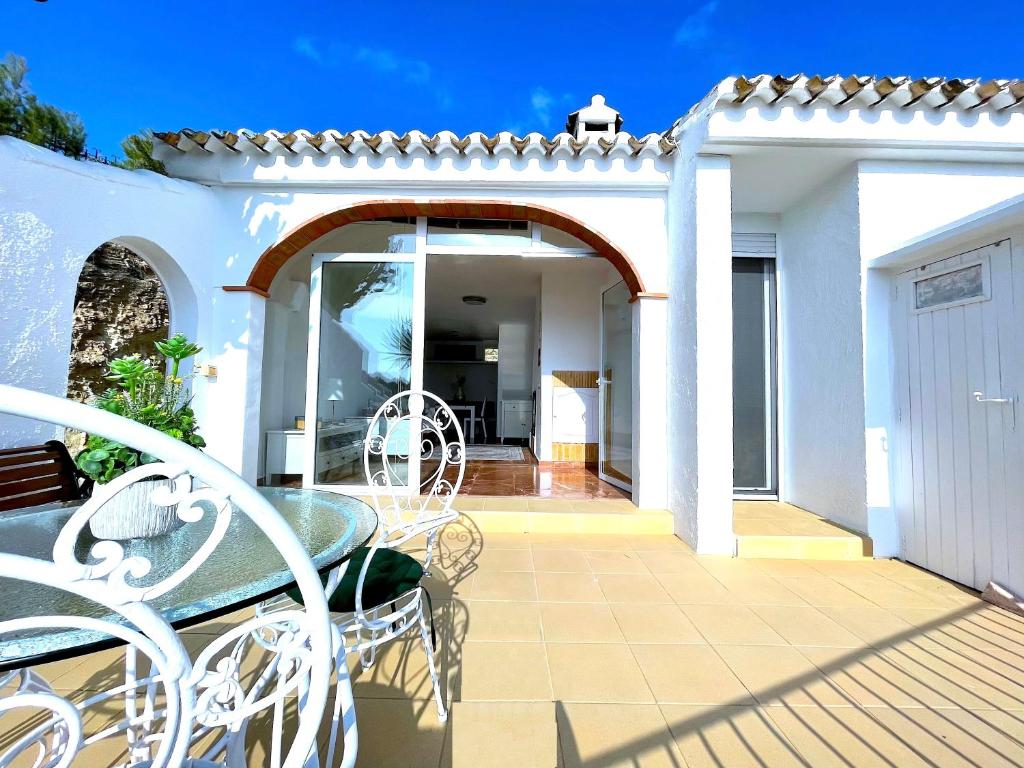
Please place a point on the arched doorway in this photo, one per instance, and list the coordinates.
(274, 258)
(397, 302)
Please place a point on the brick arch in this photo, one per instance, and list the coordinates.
(275, 257)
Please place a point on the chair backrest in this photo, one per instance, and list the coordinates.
(113, 595)
(421, 426)
(37, 474)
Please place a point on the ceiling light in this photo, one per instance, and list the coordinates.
(476, 301)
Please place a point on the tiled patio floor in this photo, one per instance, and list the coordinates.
(600, 651)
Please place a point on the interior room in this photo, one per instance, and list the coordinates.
(509, 337)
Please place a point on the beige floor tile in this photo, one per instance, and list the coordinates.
(560, 561)
(639, 738)
(596, 672)
(501, 620)
(959, 629)
(399, 672)
(783, 568)
(728, 737)
(887, 593)
(505, 504)
(731, 625)
(952, 737)
(654, 543)
(608, 561)
(759, 590)
(579, 623)
(671, 561)
(694, 588)
(569, 588)
(969, 682)
(505, 560)
(781, 675)
(872, 680)
(500, 541)
(689, 674)
(642, 623)
(806, 626)
(488, 734)
(503, 586)
(398, 734)
(842, 737)
(632, 588)
(868, 622)
(731, 567)
(822, 591)
(549, 505)
(504, 672)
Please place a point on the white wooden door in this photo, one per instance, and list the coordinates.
(960, 476)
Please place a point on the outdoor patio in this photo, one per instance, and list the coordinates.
(608, 650)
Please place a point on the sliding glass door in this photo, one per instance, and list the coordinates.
(366, 342)
(615, 451)
(755, 465)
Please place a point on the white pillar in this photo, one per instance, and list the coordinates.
(699, 402)
(650, 453)
(230, 417)
(713, 260)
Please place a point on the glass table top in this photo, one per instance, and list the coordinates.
(245, 567)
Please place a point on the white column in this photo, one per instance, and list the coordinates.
(650, 452)
(699, 401)
(230, 417)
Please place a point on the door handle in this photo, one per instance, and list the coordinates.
(602, 381)
(1010, 401)
(980, 397)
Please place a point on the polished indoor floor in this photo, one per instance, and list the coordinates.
(570, 482)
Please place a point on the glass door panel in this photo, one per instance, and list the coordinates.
(616, 383)
(365, 348)
(754, 419)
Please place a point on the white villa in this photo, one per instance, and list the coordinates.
(806, 289)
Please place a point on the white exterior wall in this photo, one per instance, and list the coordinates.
(54, 212)
(699, 340)
(821, 353)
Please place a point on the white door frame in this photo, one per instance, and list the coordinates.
(418, 260)
(600, 395)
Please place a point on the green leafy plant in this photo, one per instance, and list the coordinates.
(143, 394)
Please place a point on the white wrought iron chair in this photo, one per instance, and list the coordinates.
(180, 712)
(378, 595)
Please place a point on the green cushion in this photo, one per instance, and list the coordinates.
(390, 574)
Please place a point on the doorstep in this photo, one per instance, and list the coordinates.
(772, 529)
(519, 514)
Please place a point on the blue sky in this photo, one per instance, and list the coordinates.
(464, 66)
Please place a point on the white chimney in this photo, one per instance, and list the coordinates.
(595, 120)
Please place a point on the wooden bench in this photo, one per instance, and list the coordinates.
(37, 474)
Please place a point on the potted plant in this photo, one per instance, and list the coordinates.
(161, 401)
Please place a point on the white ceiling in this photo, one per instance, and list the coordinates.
(511, 285)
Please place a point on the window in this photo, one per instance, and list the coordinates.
(958, 286)
(478, 232)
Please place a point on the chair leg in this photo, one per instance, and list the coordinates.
(344, 716)
(442, 713)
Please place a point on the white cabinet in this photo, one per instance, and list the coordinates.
(574, 415)
(516, 417)
(284, 452)
(337, 445)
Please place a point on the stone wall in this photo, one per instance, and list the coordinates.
(120, 309)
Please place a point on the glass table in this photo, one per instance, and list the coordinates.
(243, 570)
